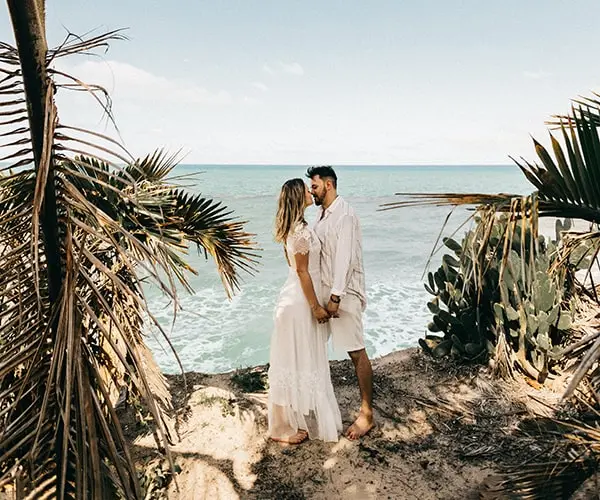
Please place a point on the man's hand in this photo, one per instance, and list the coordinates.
(332, 309)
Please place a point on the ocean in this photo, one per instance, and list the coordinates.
(214, 334)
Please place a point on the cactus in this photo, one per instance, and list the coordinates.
(527, 304)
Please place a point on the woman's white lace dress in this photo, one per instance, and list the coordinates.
(300, 391)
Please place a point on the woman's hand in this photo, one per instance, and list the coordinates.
(320, 314)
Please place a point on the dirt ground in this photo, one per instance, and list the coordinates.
(442, 432)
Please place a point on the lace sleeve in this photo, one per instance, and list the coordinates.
(299, 241)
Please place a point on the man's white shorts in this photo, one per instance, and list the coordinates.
(347, 330)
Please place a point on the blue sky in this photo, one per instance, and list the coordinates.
(342, 82)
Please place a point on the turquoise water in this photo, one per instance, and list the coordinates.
(213, 334)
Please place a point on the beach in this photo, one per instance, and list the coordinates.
(442, 432)
(213, 334)
(140, 281)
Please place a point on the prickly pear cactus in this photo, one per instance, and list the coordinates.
(514, 295)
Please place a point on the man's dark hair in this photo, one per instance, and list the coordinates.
(324, 172)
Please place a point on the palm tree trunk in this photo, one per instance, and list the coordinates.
(28, 21)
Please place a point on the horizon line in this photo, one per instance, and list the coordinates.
(349, 164)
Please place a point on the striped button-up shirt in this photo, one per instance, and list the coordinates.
(338, 229)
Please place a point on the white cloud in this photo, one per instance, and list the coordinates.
(292, 68)
(250, 101)
(260, 86)
(536, 75)
(125, 81)
(268, 69)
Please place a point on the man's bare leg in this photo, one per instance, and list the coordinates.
(364, 373)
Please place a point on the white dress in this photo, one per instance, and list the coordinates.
(300, 391)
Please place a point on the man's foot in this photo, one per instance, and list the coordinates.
(297, 438)
(361, 426)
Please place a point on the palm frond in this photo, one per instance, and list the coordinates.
(566, 179)
(212, 228)
(568, 184)
(77, 233)
(540, 481)
(449, 199)
(166, 216)
(153, 168)
(571, 457)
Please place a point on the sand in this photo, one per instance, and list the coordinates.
(443, 432)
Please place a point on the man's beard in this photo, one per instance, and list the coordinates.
(318, 201)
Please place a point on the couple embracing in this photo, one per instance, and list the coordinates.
(323, 296)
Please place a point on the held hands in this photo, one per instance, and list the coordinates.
(323, 314)
(320, 313)
(332, 306)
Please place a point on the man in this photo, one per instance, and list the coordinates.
(343, 283)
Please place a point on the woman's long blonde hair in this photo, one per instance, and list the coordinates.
(290, 209)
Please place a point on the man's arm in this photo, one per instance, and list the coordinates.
(343, 260)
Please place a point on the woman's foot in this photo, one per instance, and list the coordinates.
(297, 438)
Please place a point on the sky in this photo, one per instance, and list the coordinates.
(399, 82)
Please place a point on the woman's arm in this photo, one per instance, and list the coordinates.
(308, 288)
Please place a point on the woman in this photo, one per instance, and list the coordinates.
(301, 400)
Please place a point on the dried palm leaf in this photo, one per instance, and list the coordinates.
(81, 222)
